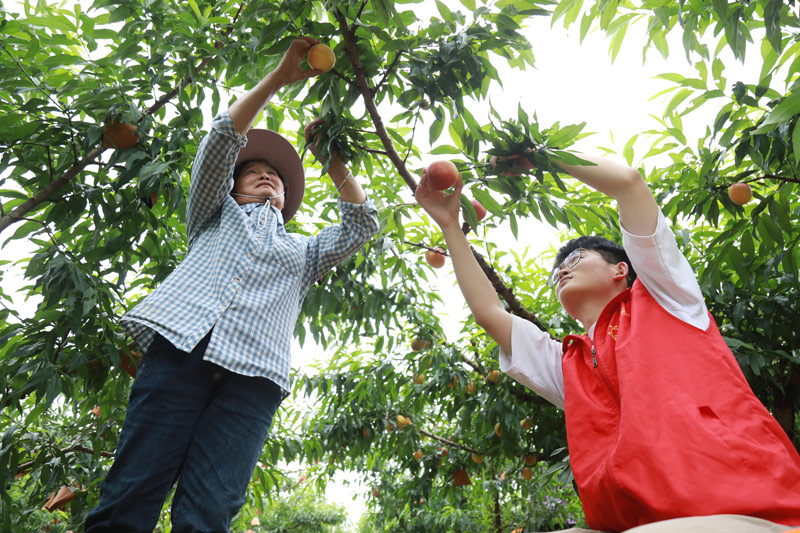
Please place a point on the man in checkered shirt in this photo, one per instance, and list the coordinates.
(216, 335)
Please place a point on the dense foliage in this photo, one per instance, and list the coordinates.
(105, 226)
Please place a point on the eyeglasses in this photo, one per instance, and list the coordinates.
(571, 260)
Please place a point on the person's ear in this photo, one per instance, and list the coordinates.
(621, 271)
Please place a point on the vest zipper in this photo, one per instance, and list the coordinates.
(594, 356)
(603, 374)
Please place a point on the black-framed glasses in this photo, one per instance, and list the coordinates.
(569, 262)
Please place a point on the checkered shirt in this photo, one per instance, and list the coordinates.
(243, 274)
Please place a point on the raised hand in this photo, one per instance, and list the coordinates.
(290, 69)
(443, 208)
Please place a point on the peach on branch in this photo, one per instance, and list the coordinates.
(740, 193)
(442, 175)
(434, 258)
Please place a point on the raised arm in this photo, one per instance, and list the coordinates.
(244, 110)
(475, 286)
(638, 211)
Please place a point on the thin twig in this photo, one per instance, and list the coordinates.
(389, 70)
(413, 134)
(23, 468)
(369, 101)
(448, 441)
(424, 247)
(361, 9)
(371, 150)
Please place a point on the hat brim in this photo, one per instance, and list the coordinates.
(278, 152)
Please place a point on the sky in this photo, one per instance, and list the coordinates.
(571, 83)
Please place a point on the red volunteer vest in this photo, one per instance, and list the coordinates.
(665, 425)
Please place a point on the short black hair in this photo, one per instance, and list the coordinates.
(237, 171)
(609, 250)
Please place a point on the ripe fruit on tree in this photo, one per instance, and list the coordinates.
(442, 451)
(469, 388)
(96, 411)
(419, 379)
(498, 430)
(453, 383)
(418, 455)
(527, 473)
(365, 432)
(402, 421)
(435, 259)
(480, 211)
(419, 344)
(442, 175)
(531, 459)
(478, 458)
(493, 376)
(120, 135)
(526, 423)
(320, 56)
(374, 493)
(740, 193)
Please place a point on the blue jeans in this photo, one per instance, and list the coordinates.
(188, 421)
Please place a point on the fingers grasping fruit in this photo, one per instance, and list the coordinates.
(320, 56)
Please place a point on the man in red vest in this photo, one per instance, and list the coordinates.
(664, 431)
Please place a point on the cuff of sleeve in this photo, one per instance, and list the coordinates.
(367, 207)
(223, 124)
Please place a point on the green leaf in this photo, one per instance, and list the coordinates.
(487, 201)
(796, 143)
(785, 110)
(772, 23)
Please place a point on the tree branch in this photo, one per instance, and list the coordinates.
(503, 291)
(369, 101)
(476, 366)
(528, 397)
(18, 213)
(389, 70)
(418, 245)
(448, 442)
(24, 468)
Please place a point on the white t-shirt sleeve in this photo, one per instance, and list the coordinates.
(535, 361)
(666, 273)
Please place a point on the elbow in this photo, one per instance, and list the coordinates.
(486, 316)
(629, 183)
(632, 179)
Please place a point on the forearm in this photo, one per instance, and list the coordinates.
(638, 211)
(245, 110)
(475, 286)
(349, 189)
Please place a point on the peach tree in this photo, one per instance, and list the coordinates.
(94, 229)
